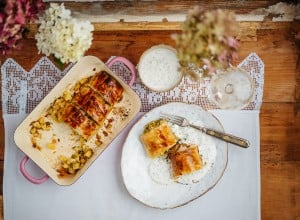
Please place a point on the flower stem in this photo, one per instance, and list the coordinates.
(59, 63)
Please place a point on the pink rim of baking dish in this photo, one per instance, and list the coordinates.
(28, 176)
(43, 179)
(126, 63)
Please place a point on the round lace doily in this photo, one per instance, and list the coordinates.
(22, 90)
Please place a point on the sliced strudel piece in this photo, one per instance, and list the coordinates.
(184, 159)
(78, 120)
(107, 86)
(64, 111)
(92, 103)
(158, 138)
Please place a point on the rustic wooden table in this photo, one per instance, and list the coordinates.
(278, 45)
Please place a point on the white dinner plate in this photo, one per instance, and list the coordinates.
(137, 167)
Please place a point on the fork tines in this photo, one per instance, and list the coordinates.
(171, 118)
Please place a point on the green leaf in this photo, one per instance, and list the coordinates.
(59, 63)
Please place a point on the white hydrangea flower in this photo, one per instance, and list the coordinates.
(63, 36)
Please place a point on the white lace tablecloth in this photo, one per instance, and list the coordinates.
(22, 90)
(100, 193)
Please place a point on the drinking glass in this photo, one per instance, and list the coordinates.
(231, 89)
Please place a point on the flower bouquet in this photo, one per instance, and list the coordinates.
(63, 36)
(14, 15)
(206, 42)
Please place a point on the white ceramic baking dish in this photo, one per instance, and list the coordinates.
(87, 66)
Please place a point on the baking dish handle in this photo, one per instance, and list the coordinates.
(127, 63)
(28, 176)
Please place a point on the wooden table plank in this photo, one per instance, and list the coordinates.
(160, 11)
(278, 178)
(279, 132)
(161, 7)
(297, 190)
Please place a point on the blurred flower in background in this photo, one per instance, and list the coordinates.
(14, 15)
(206, 42)
(62, 36)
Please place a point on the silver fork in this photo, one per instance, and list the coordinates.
(183, 122)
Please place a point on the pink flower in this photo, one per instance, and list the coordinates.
(14, 15)
(232, 42)
(206, 40)
(223, 57)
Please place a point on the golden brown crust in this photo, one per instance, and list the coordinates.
(93, 104)
(85, 109)
(185, 159)
(77, 120)
(107, 86)
(158, 138)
